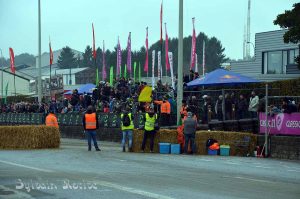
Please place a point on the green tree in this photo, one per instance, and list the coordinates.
(291, 20)
(87, 60)
(66, 58)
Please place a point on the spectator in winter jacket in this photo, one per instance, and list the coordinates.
(190, 126)
(253, 104)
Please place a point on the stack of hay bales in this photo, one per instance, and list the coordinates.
(29, 137)
(234, 139)
(163, 135)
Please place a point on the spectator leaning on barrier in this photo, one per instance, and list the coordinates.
(288, 106)
(150, 119)
(51, 119)
(190, 126)
(218, 108)
(253, 104)
(127, 127)
(90, 124)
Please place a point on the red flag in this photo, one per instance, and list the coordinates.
(161, 19)
(94, 48)
(51, 54)
(12, 60)
(193, 51)
(146, 62)
(167, 50)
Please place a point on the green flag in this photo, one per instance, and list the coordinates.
(97, 76)
(6, 90)
(125, 71)
(111, 76)
(140, 72)
(134, 69)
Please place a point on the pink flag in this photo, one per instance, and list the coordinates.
(146, 61)
(12, 60)
(193, 51)
(119, 58)
(103, 63)
(167, 50)
(129, 53)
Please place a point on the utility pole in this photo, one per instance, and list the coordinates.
(39, 56)
(180, 61)
(2, 78)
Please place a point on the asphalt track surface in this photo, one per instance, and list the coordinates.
(74, 172)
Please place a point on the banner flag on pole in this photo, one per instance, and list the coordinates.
(6, 90)
(94, 48)
(161, 20)
(146, 61)
(140, 73)
(196, 63)
(111, 76)
(51, 54)
(159, 65)
(119, 59)
(171, 69)
(129, 54)
(203, 62)
(193, 50)
(134, 71)
(167, 50)
(104, 75)
(153, 64)
(12, 60)
(97, 76)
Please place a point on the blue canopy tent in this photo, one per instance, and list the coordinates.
(87, 88)
(222, 77)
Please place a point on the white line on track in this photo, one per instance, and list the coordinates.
(291, 170)
(263, 167)
(24, 166)
(248, 179)
(132, 190)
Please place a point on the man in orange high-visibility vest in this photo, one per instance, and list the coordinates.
(165, 111)
(51, 119)
(90, 124)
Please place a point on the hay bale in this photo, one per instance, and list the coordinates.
(227, 138)
(163, 135)
(29, 137)
(234, 139)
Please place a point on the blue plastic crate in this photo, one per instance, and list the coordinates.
(164, 148)
(212, 152)
(224, 150)
(175, 148)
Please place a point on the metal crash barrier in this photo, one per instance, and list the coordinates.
(106, 120)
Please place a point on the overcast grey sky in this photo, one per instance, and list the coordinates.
(69, 22)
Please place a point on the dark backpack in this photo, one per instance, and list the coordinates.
(126, 120)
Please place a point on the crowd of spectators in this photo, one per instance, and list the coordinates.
(124, 95)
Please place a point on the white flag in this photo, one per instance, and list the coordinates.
(159, 72)
(171, 69)
(153, 63)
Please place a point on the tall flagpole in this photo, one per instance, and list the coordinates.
(50, 87)
(180, 61)
(39, 54)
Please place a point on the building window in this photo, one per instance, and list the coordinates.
(275, 62)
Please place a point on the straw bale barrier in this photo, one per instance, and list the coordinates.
(29, 137)
(236, 140)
